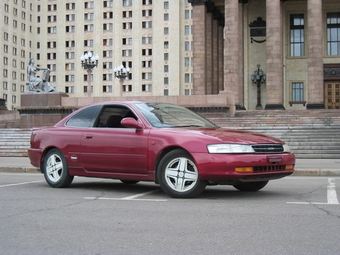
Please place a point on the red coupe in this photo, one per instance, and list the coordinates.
(168, 144)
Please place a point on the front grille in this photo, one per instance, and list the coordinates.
(264, 169)
(268, 148)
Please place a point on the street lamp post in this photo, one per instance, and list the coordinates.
(121, 73)
(88, 62)
(258, 78)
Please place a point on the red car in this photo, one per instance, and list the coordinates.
(168, 144)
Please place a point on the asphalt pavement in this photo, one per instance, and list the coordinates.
(304, 167)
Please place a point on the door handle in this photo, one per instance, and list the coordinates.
(88, 136)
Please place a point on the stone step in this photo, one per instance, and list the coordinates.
(14, 142)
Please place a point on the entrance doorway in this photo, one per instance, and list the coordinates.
(332, 95)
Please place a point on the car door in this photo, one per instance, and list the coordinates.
(114, 148)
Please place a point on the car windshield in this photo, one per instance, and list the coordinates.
(163, 115)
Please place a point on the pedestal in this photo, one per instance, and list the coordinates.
(42, 109)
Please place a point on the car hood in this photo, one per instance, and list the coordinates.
(229, 135)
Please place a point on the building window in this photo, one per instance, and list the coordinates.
(146, 13)
(107, 89)
(69, 89)
(127, 14)
(333, 33)
(166, 5)
(146, 87)
(147, 24)
(127, 25)
(127, 88)
(187, 46)
(87, 16)
(127, 2)
(187, 78)
(70, 6)
(187, 30)
(187, 14)
(89, 5)
(166, 45)
(187, 92)
(297, 92)
(297, 35)
(166, 80)
(147, 2)
(89, 28)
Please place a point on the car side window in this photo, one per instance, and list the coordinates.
(112, 115)
(84, 118)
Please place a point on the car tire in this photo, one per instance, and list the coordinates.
(178, 175)
(55, 169)
(250, 186)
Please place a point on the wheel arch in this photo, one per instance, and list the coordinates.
(162, 154)
(43, 155)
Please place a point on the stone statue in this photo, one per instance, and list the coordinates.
(38, 84)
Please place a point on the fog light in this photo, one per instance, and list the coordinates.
(289, 167)
(244, 169)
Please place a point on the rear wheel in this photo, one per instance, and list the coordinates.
(250, 186)
(55, 169)
(178, 175)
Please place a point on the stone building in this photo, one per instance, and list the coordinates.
(295, 42)
(152, 38)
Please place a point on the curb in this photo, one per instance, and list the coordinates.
(316, 172)
(9, 169)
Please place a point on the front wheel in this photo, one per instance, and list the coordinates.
(178, 175)
(250, 186)
(55, 169)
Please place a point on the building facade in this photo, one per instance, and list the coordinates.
(295, 42)
(152, 38)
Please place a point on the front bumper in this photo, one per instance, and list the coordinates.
(223, 167)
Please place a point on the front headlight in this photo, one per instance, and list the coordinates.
(286, 148)
(230, 148)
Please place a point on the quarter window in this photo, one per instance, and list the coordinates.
(85, 118)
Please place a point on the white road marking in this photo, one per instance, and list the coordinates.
(17, 184)
(130, 198)
(331, 192)
(122, 199)
(332, 198)
(140, 194)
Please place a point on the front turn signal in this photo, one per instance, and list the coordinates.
(289, 167)
(244, 169)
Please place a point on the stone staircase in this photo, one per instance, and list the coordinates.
(14, 142)
(309, 134)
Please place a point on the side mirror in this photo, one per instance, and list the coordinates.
(131, 123)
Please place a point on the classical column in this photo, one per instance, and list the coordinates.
(274, 49)
(215, 69)
(315, 56)
(220, 56)
(232, 48)
(209, 52)
(199, 46)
